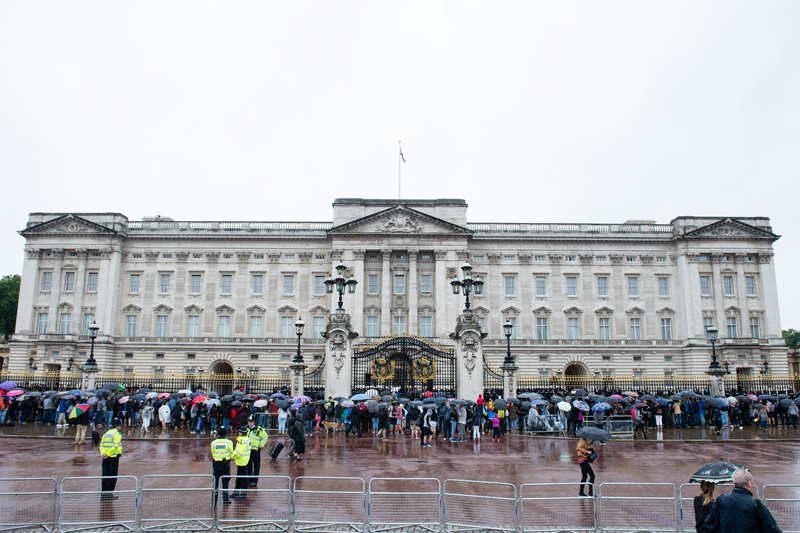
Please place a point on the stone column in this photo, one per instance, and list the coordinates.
(80, 291)
(298, 369)
(26, 320)
(55, 292)
(107, 293)
(741, 294)
(769, 295)
(716, 384)
(469, 356)
(361, 290)
(719, 298)
(413, 292)
(89, 379)
(509, 381)
(339, 336)
(386, 294)
(441, 291)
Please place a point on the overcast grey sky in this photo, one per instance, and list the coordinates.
(536, 112)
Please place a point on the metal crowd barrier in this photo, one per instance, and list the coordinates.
(404, 504)
(28, 504)
(540, 424)
(624, 507)
(555, 507)
(264, 508)
(620, 426)
(82, 505)
(329, 504)
(686, 494)
(479, 506)
(783, 501)
(177, 502)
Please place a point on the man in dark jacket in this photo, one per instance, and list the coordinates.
(738, 511)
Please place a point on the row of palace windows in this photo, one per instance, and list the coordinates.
(728, 285)
(68, 281)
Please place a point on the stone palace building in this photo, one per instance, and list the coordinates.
(632, 298)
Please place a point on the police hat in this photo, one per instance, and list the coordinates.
(222, 433)
(243, 429)
(251, 418)
(116, 422)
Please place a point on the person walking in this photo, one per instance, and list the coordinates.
(738, 512)
(110, 451)
(241, 454)
(428, 427)
(297, 434)
(221, 454)
(702, 506)
(639, 423)
(82, 424)
(147, 415)
(258, 439)
(585, 452)
(165, 415)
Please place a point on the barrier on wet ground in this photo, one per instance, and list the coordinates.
(619, 426)
(686, 494)
(404, 504)
(473, 506)
(555, 507)
(177, 502)
(265, 508)
(637, 507)
(783, 502)
(28, 504)
(545, 423)
(329, 504)
(82, 506)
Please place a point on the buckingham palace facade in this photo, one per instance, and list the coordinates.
(632, 298)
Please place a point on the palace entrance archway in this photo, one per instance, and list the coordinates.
(221, 377)
(576, 370)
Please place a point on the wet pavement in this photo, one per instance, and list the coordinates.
(773, 455)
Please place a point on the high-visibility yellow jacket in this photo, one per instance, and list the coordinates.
(221, 449)
(241, 454)
(111, 445)
(258, 437)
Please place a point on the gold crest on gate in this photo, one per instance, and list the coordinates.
(382, 369)
(424, 368)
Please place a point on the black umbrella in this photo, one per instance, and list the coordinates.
(440, 400)
(592, 433)
(213, 395)
(531, 396)
(526, 405)
(647, 397)
(415, 403)
(689, 394)
(578, 392)
(281, 404)
(249, 398)
(262, 396)
(675, 398)
(770, 397)
(511, 400)
(428, 400)
(139, 397)
(386, 398)
(713, 402)
(114, 386)
(238, 394)
(404, 400)
(555, 398)
(744, 398)
(786, 402)
(617, 400)
(797, 400)
(759, 406)
(500, 404)
(277, 396)
(237, 403)
(337, 399)
(719, 472)
(319, 402)
(143, 390)
(227, 398)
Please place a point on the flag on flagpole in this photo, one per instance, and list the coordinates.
(401, 155)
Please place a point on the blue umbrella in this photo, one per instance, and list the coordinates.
(540, 402)
(195, 395)
(359, 397)
(277, 396)
(602, 405)
(78, 392)
(663, 401)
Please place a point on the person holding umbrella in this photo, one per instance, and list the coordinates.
(110, 451)
(586, 455)
(737, 511)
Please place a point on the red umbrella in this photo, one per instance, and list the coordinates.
(199, 399)
(164, 395)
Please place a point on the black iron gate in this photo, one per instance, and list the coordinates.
(407, 364)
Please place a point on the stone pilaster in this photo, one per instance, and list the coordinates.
(469, 356)
(339, 336)
(297, 371)
(509, 381)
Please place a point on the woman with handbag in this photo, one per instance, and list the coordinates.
(586, 456)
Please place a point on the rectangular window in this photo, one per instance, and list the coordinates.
(224, 326)
(47, 278)
(661, 259)
(570, 258)
(372, 326)
(65, 319)
(477, 258)
(194, 326)
(426, 326)
(541, 329)
(319, 257)
(372, 284)
(572, 286)
(663, 286)
(707, 323)
(88, 320)
(69, 281)
(226, 284)
(541, 286)
(319, 326)
(128, 356)
(540, 258)
(605, 329)
(254, 357)
(508, 258)
(509, 280)
(631, 259)
(750, 281)
(602, 286)
(705, 285)
(258, 284)
(161, 326)
(482, 323)
(288, 257)
(319, 285)
(130, 326)
(600, 259)
(633, 286)
(666, 329)
(195, 288)
(727, 285)
(399, 324)
(755, 329)
(255, 327)
(574, 328)
(733, 327)
(200, 256)
(636, 329)
(399, 284)
(41, 327)
(134, 288)
(164, 283)
(91, 282)
(287, 327)
(288, 284)
(425, 284)
(543, 358)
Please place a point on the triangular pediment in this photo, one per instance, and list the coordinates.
(132, 308)
(68, 224)
(635, 311)
(573, 311)
(318, 310)
(604, 311)
(427, 309)
(193, 309)
(287, 309)
(399, 220)
(665, 311)
(372, 308)
(510, 310)
(224, 309)
(162, 309)
(480, 310)
(542, 311)
(256, 309)
(731, 229)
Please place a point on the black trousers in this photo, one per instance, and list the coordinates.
(254, 465)
(110, 471)
(242, 480)
(586, 471)
(220, 470)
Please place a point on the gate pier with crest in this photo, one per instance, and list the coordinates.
(469, 355)
(339, 336)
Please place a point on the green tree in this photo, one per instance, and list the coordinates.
(792, 337)
(9, 296)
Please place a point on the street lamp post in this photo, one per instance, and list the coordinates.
(467, 283)
(91, 364)
(298, 366)
(298, 328)
(715, 371)
(712, 338)
(340, 282)
(509, 368)
(508, 328)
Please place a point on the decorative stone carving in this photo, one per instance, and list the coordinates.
(337, 347)
(586, 259)
(494, 258)
(57, 253)
(441, 255)
(709, 314)
(452, 272)
(647, 259)
(468, 320)
(340, 320)
(764, 258)
(616, 258)
(304, 257)
(224, 309)
(542, 312)
(666, 311)
(469, 347)
(573, 312)
(336, 254)
(243, 257)
(604, 312)
(34, 254)
(212, 257)
(732, 312)
(273, 257)
(635, 312)
(181, 256)
(463, 255)
(151, 256)
(358, 255)
(399, 223)
(525, 258)
(555, 258)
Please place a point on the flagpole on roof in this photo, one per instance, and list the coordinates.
(399, 167)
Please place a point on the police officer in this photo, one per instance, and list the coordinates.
(258, 439)
(110, 451)
(241, 454)
(221, 453)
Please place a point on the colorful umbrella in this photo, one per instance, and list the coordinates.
(718, 472)
(151, 395)
(630, 393)
(617, 396)
(199, 399)
(302, 399)
(601, 406)
(7, 385)
(15, 392)
(753, 397)
(583, 406)
(114, 386)
(163, 395)
(78, 410)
